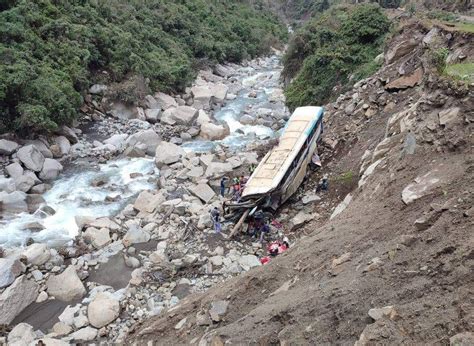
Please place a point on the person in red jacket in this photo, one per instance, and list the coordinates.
(274, 249)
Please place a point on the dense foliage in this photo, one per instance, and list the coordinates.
(327, 50)
(52, 50)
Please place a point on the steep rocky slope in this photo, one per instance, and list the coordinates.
(393, 262)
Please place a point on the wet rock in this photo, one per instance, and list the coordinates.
(422, 186)
(97, 237)
(135, 151)
(66, 286)
(34, 202)
(7, 147)
(203, 192)
(13, 202)
(37, 254)
(22, 334)
(165, 101)
(103, 310)
(51, 169)
(218, 310)
(213, 132)
(10, 269)
(406, 82)
(168, 153)
(247, 119)
(31, 157)
(103, 222)
(149, 138)
(16, 297)
(40, 188)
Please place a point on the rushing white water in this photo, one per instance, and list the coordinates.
(75, 194)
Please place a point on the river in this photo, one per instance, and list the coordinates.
(76, 194)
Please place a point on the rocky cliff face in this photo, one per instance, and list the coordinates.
(385, 256)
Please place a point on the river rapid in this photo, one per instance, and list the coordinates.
(75, 193)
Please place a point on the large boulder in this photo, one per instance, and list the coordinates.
(147, 137)
(102, 310)
(122, 110)
(399, 50)
(14, 169)
(422, 186)
(184, 115)
(117, 141)
(16, 297)
(51, 169)
(202, 96)
(66, 286)
(450, 116)
(98, 89)
(165, 101)
(219, 92)
(203, 118)
(203, 192)
(10, 269)
(148, 202)
(13, 202)
(7, 147)
(68, 133)
(31, 157)
(34, 202)
(64, 145)
(218, 169)
(152, 115)
(37, 254)
(406, 82)
(24, 182)
(41, 146)
(213, 132)
(168, 153)
(7, 184)
(22, 334)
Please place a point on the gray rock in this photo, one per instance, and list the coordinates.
(64, 145)
(37, 254)
(84, 334)
(16, 297)
(7, 185)
(165, 101)
(22, 334)
(203, 192)
(51, 169)
(148, 202)
(66, 286)
(117, 141)
(218, 310)
(147, 137)
(378, 313)
(135, 235)
(13, 202)
(24, 182)
(7, 147)
(462, 339)
(218, 169)
(300, 219)
(249, 261)
(68, 133)
(213, 132)
(34, 202)
(449, 116)
(341, 206)
(184, 115)
(132, 262)
(422, 186)
(31, 157)
(168, 153)
(41, 146)
(97, 237)
(102, 310)
(10, 269)
(14, 169)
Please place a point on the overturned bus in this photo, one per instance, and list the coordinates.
(283, 168)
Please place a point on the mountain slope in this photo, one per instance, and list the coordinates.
(404, 241)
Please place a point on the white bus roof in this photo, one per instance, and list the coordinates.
(274, 165)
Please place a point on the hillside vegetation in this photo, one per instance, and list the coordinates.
(50, 50)
(330, 48)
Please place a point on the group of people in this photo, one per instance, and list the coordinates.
(237, 186)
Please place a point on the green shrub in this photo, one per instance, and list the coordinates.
(52, 51)
(326, 51)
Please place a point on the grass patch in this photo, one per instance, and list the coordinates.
(464, 71)
(345, 177)
(467, 27)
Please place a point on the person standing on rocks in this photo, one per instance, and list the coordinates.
(215, 216)
(223, 185)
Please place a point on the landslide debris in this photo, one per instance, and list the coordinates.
(394, 265)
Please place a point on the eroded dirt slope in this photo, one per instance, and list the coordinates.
(402, 142)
